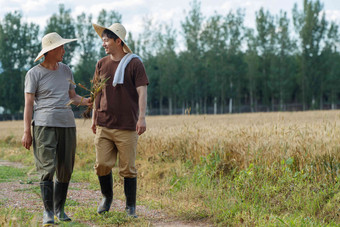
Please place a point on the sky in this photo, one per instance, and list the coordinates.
(170, 12)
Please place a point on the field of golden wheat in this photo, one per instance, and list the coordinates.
(241, 137)
(280, 166)
(307, 137)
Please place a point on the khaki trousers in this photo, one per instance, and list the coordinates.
(112, 142)
(54, 152)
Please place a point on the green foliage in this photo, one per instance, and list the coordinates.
(266, 49)
(17, 217)
(109, 218)
(265, 195)
(209, 61)
(260, 194)
(311, 25)
(70, 203)
(11, 81)
(84, 70)
(22, 155)
(193, 73)
(329, 59)
(22, 217)
(63, 24)
(18, 47)
(33, 189)
(8, 173)
(86, 176)
(19, 43)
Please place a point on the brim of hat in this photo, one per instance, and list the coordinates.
(99, 29)
(55, 45)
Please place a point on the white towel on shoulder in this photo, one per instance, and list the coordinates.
(119, 74)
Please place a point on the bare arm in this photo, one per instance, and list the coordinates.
(142, 100)
(93, 126)
(28, 111)
(78, 100)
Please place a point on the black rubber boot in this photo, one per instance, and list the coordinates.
(46, 188)
(130, 188)
(106, 184)
(60, 194)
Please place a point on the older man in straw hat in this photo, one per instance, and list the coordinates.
(48, 91)
(119, 115)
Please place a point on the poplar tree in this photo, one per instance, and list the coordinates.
(192, 28)
(266, 48)
(19, 46)
(310, 24)
(84, 70)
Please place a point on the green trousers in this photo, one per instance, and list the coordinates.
(54, 152)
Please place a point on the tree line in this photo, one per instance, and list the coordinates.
(210, 65)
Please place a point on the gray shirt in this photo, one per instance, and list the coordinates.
(51, 89)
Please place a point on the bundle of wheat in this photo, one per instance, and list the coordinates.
(97, 85)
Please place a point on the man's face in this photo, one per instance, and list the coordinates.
(110, 45)
(57, 53)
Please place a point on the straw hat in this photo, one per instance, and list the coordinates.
(51, 41)
(117, 29)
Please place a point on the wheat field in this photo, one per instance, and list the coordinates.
(240, 138)
(225, 167)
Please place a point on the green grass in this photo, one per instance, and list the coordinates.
(276, 195)
(257, 195)
(18, 217)
(33, 189)
(281, 193)
(90, 214)
(82, 217)
(8, 173)
(14, 152)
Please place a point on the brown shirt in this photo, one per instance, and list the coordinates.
(117, 107)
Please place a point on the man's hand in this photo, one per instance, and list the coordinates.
(142, 99)
(141, 126)
(27, 140)
(28, 111)
(78, 100)
(94, 127)
(88, 102)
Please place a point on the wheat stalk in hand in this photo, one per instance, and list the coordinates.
(97, 85)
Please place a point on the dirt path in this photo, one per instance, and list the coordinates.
(26, 195)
